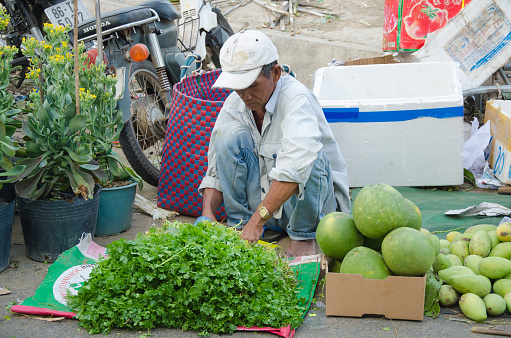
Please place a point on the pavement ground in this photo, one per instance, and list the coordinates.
(24, 276)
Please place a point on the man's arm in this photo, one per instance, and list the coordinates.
(211, 200)
(278, 194)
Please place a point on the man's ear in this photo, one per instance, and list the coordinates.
(276, 72)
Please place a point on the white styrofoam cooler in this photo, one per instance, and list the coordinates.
(400, 124)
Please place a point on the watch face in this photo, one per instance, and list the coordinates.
(263, 212)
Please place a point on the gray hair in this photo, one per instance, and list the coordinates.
(266, 70)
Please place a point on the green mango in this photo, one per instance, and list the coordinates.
(464, 238)
(494, 267)
(507, 298)
(473, 307)
(472, 262)
(448, 296)
(486, 227)
(455, 260)
(504, 231)
(452, 235)
(495, 304)
(446, 244)
(435, 243)
(501, 250)
(494, 239)
(447, 274)
(444, 251)
(441, 262)
(480, 244)
(471, 284)
(460, 249)
(502, 286)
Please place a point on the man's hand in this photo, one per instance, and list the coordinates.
(278, 194)
(253, 230)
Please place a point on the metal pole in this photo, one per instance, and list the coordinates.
(99, 30)
(77, 77)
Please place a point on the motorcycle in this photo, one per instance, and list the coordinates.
(165, 44)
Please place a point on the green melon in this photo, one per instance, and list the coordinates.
(414, 216)
(378, 209)
(373, 243)
(407, 252)
(337, 235)
(334, 266)
(365, 262)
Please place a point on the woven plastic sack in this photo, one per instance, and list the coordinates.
(195, 106)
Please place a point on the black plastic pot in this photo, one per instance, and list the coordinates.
(7, 195)
(52, 227)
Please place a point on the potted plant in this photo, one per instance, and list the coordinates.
(104, 123)
(57, 195)
(8, 171)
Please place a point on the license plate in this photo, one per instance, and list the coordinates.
(62, 13)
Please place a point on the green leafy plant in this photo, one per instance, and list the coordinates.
(104, 122)
(431, 298)
(59, 161)
(8, 112)
(203, 278)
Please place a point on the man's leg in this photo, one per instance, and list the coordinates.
(238, 172)
(304, 215)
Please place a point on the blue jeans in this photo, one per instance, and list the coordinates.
(238, 172)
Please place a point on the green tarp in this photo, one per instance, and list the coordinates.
(434, 204)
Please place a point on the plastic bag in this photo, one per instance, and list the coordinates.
(475, 148)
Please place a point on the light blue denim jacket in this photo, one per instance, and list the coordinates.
(294, 131)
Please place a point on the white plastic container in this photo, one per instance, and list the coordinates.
(400, 124)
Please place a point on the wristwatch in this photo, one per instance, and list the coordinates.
(263, 212)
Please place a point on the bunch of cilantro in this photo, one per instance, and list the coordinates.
(203, 278)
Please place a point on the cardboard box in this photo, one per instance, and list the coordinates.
(393, 127)
(407, 23)
(498, 112)
(384, 59)
(478, 38)
(395, 297)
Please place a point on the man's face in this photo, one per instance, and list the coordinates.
(257, 95)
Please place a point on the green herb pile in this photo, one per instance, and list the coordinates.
(203, 278)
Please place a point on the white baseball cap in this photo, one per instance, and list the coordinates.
(242, 57)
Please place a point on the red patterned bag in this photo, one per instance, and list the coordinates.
(195, 106)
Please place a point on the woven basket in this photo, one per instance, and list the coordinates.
(195, 106)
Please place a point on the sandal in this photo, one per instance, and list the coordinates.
(272, 234)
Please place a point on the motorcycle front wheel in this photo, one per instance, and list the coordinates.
(143, 134)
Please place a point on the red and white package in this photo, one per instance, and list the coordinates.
(408, 22)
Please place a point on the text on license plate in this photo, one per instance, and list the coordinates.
(62, 13)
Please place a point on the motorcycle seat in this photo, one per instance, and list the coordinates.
(127, 15)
